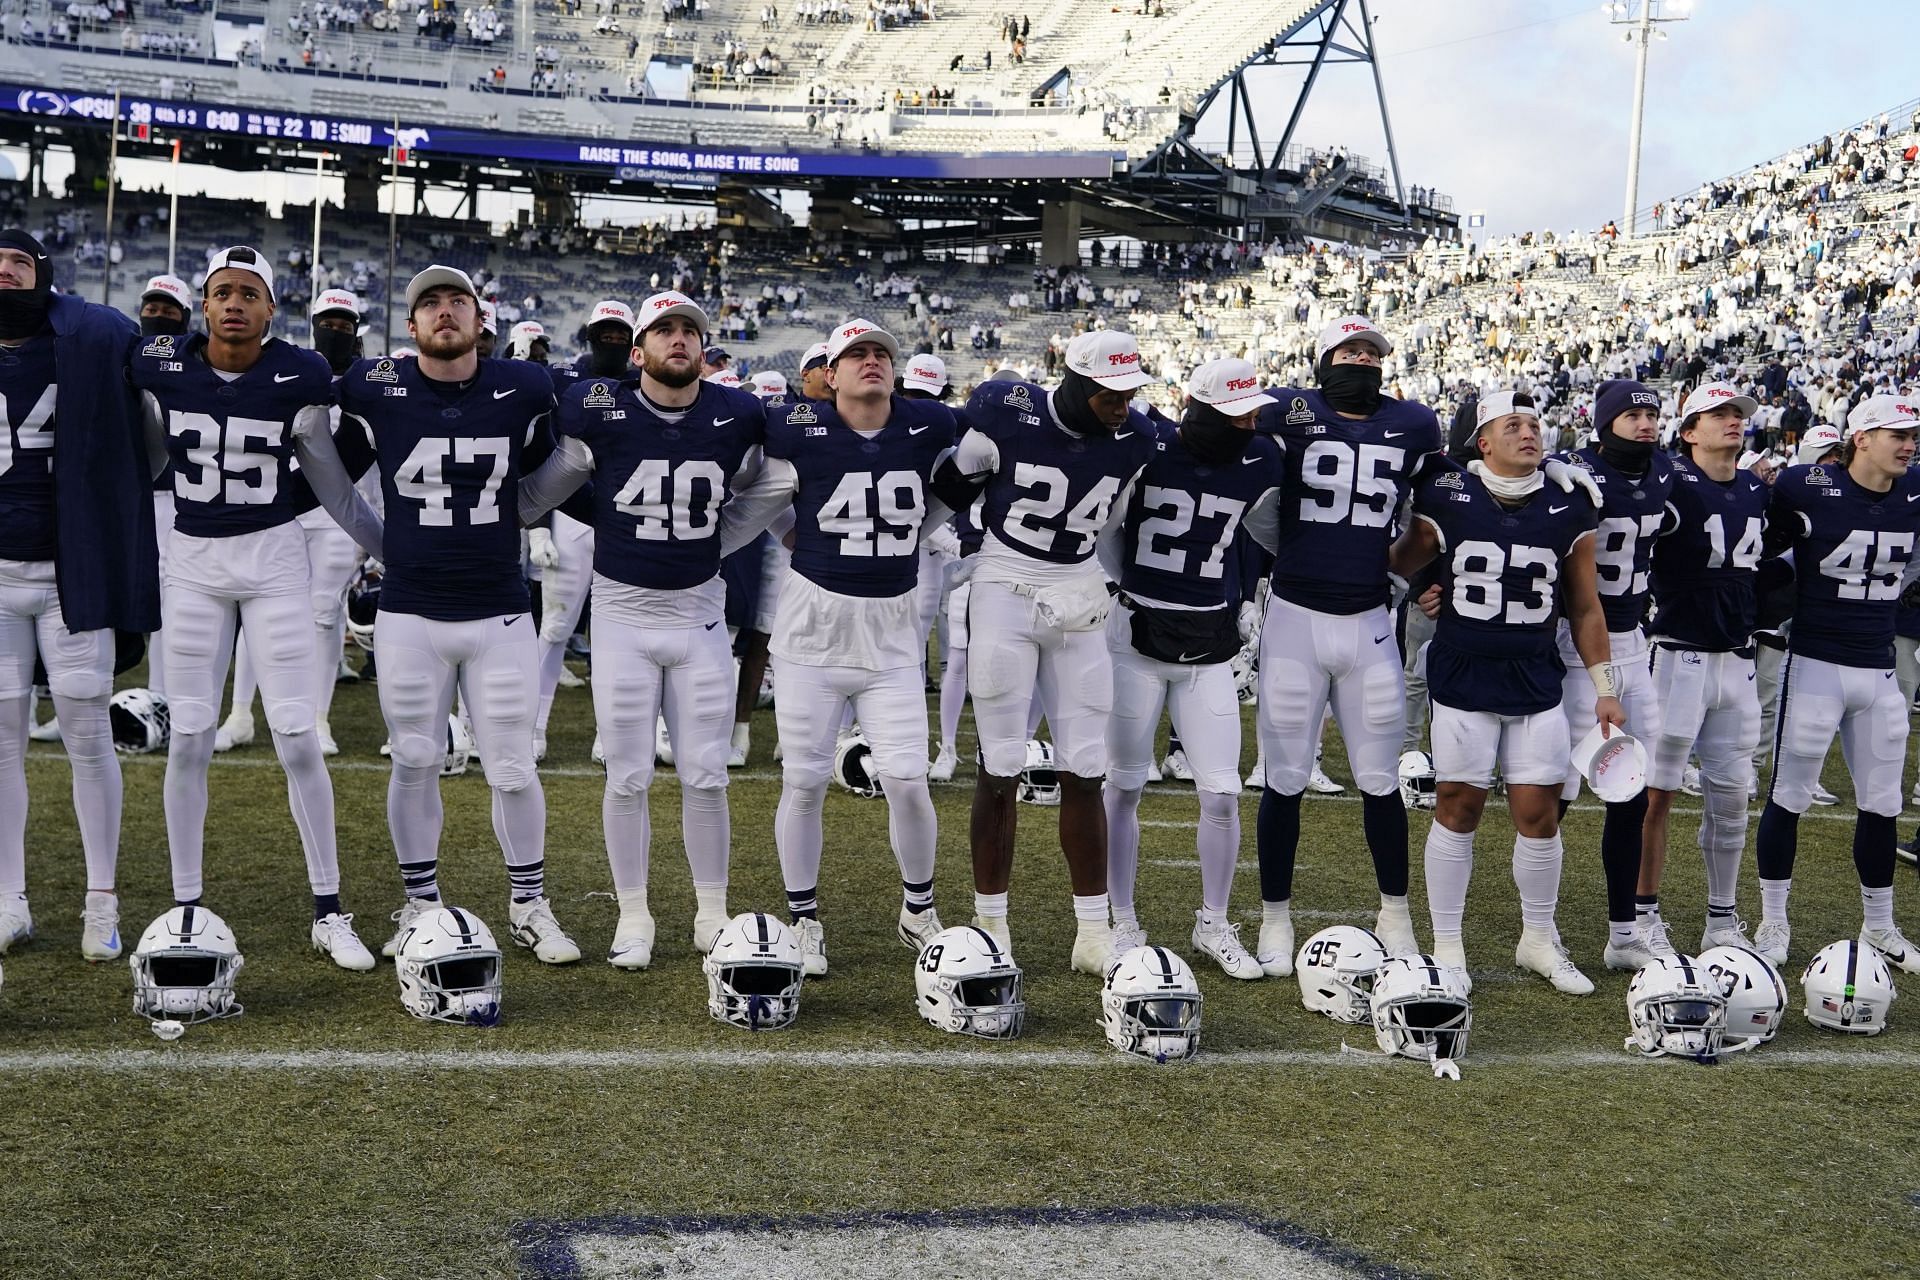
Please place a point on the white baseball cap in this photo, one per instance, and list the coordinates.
(489, 319)
(439, 277)
(1816, 443)
(854, 331)
(1882, 411)
(1498, 404)
(172, 288)
(1109, 357)
(243, 258)
(1711, 395)
(1752, 456)
(335, 300)
(770, 382)
(526, 331)
(723, 377)
(664, 306)
(1614, 766)
(1346, 329)
(610, 309)
(925, 373)
(1231, 386)
(815, 355)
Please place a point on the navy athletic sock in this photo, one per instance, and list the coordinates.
(325, 904)
(1776, 842)
(1384, 819)
(917, 894)
(1277, 838)
(1620, 855)
(802, 904)
(1873, 838)
(186, 902)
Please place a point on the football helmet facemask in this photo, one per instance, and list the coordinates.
(184, 967)
(967, 983)
(1421, 1010)
(449, 969)
(853, 765)
(1756, 996)
(1676, 1008)
(1418, 787)
(1336, 968)
(363, 605)
(1150, 1005)
(1039, 783)
(140, 721)
(753, 973)
(1848, 988)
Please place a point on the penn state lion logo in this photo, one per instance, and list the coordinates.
(599, 396)
(161, 346)
(383, 372)
(800, 414)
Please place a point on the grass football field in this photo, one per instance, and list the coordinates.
(609, 1128)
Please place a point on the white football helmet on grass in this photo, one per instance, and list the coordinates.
(967, 983)
(1421, 1010)
(1150, 1005)
(449, 968)
(754, 973)
(1848, 988)
(184, 967)
(1756, 995)
(1677, 1008)
(1336, 968)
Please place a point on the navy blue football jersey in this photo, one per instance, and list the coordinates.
(860, 502)
(1632, 509)
(1181, 522)
(1850, 547)
(1054, 489)
(27, 399)
(658, 485)
(231, 442)
(1704, 580)
(1493, 646)
(451, 458)
(1346, 481)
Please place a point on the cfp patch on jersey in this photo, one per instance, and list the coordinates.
(1585, 463)
(383, 372)
(162, 346)
(801, 414)
(599, 396)
(1298, 414)
(1452, 480)
(1818, 476)
(775, 402)
(1019, 399)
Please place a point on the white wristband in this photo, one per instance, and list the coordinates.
(1604, 685)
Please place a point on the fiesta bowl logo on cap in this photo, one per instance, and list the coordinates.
(1124, 358)
(612, 311)
(1719, 393)
(852, 331)
(1242, 384)
(666, 300)
(1356, 326)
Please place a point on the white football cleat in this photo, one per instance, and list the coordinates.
(410, 910)
(813, 946)
(662, 743)
(1394, 928)
(1275, 948)
(1222, 942)
(1153, 772)
(344, 673)
(1822, 796)
(1320, 784)
(1257, 776)
(1725, 931)
(1631, 956)
(333, 936)
(48, 732)
(568, 680)
(1175, 766)
(1893, 948)
(943, 765)
(706, 927)
(235, 731)
(1542, 953)
(1771, 940)
(324, 733)
(386, 748)
(997, 926)
(1690, 780)
(918, 927)
(736, 757)
(599, 753)
(632, 946)
(100, 927)
(1452, 954)
(16, 923)
(532, 925)
(1093, 948)
(1127, 935)
(1659, 939)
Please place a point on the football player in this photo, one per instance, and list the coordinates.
(76, 562)
(666, 451)
(1634, 479)
(813, 373)
(454, 434)
(1706, 591)
(1055, 467)
(230, 410)
(166, 306)
(1352, 455)
(856, 472)
(1175, 631)
(1516, 559)
(1851, 529)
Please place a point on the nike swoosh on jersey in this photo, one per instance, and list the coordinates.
(710, 626)
(1123, 435)
(507, 621)
(502, 395)
(1391, 435)
(914, 431)
(1193, 657)
(1247, 462)
(289, 377)
(1913, 497)
(1383, 639)
(721, 422)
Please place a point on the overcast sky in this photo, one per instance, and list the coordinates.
(1520, 108)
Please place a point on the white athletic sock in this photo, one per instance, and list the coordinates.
(706, 828)
(911, 826)
(1449, 866)
(310, 797)
(633, 902)
(1123, 847)
(1536, 873)
(16, 715)
(628, 825)
(185, 796)
(1091, 909)
(709, 898)
(1773, 899)
(797, 833)
(1622, 934)
(1877, 906)
(1218, 844)
(990, 906)
(953, 696)
(1276, 912)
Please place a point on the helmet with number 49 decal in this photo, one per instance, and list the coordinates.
(968, 984)
(1336, 967)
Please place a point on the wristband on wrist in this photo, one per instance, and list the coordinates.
(1603, 682)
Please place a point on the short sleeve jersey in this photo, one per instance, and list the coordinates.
(28, 395)
(1632, 509)
(1182, 519)
(1055, 488)
(1345, 483)
(230, 442)
(451, 458)
(1493, 647)
(1850, 548)
(659, 485)
(1704, 564)
(861, 499)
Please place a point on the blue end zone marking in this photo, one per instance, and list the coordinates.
(546, 1247)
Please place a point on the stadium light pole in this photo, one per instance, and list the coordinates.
(1642, 21)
